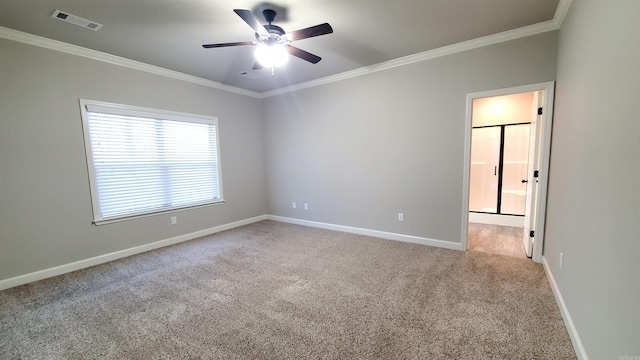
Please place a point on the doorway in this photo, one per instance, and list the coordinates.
(499, 159)
(507, 140)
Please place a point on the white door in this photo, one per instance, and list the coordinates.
(532, 182)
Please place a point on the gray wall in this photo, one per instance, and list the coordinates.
(45, 207)
(361, 150)
(593, 214)
(358, 151)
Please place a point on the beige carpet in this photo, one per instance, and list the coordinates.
(279, 291)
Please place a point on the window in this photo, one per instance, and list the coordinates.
(144, 161)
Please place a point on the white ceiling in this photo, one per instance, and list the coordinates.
(169, 33)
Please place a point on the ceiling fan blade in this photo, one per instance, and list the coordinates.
(314, 59)
(248, 17)
(209, 46)
(317, 30)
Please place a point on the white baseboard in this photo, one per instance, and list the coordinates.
(368, 232)
(502, 220)
(568, 321)
(100, 259)
(81, 264)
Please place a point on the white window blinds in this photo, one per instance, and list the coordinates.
(145, 161)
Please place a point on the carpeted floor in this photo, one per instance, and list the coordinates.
(272, 290)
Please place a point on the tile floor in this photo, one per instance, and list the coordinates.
(496, 239)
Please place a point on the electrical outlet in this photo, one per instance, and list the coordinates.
(294, 205)
(306, 206)
(561, 258)
(174, 220)
(400, 216)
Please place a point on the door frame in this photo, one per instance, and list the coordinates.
(543, 148)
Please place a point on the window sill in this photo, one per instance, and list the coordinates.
(106, 221)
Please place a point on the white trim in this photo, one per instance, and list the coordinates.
(156, 213)
(534, 29)
(466, 172)
(116, 60)
(494, 219)
(423, 56)
(100, 259)
(368, 232)
(133, 110)
(82, 264)
(545, 146)
(545, 155)
(91, 106)
(566, 316)
(561, 12)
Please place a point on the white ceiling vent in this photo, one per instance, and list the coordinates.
(249, 75)
(76, 20)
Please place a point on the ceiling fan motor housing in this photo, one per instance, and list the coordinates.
(276, 33)
(274, 29)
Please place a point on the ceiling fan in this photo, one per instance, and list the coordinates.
(272, 41)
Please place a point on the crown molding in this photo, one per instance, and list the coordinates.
(47, 43)
(550, 25)
(514, 34)
(561, 12)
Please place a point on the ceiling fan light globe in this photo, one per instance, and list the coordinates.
(270, 56)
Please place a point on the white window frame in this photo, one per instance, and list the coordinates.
(87, 106)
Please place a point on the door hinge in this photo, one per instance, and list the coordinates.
(536, 173)
(531, 233)
(539, 111)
